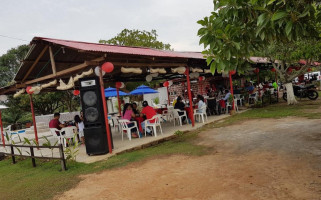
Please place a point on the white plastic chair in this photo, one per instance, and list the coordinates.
(179, 117)
(60, 138)
(201, 113)
(254, 97)
(154, 124)
(115, 123)
(168, 114)
(125, 129)
(238, 97)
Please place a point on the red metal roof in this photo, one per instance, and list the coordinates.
(96, 47)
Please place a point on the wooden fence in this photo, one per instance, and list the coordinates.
(32, 154)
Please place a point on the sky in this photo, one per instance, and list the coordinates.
(91, 20)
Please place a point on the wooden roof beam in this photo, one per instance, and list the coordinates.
(67, 71)
(35, 63)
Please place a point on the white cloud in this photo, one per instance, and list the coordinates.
(84, 20)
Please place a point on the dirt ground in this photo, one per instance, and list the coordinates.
(257, 159)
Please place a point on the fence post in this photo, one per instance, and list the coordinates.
(62, 157)
(12, 154)
(32, 158)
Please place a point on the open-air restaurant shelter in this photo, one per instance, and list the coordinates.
(54, 64)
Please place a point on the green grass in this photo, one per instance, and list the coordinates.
(307, 108)
(22, 181)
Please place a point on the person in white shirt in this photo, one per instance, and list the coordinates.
(200, 103)
(80, 126)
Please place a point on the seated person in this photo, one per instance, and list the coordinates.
(135, 109)
(200, 104)
(55, 123)
(129, 114)
(149, 113)
(181, 106)
(227, 95)
(80, 126)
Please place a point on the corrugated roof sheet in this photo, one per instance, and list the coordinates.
(96, 47)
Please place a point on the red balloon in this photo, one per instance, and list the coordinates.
(201, 78)
(309, 70)
(257, 70)
(76, 92)
(27, 89)
(273, 70)
(107, 67)
(166, 84)
(233, 72)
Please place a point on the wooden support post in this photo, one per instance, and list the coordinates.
(32, 158)
(110, 148)
(52, 60)
(190, 96)
(2, 133)
(33, 119)
(62, 158)
(12, 154)
(35, 63)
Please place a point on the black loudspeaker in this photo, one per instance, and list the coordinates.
(96, 140)
(91, 102)
(95, 127)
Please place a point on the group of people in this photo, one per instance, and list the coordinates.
(131, 113)
(78, 122)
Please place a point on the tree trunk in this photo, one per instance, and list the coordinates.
(290, 94)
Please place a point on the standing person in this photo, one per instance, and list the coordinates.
(80, 126)
(181, 106)
(149, 113)
(55, 123)
(129, 115)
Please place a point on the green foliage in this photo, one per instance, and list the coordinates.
(156, 100)
(72, 150)
(10, 62)
(237, 29)
(137, 38)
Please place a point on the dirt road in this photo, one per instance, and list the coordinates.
(257, 159)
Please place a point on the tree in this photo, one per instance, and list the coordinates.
(137, 38)
(239, 29)
(10, 62)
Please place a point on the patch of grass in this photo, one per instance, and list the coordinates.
(22, 181)
(308, 109)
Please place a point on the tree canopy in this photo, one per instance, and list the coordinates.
(238, 29)
(137, 38)
(10, 62)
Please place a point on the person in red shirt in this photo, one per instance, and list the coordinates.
(55, 123)
(149, 113)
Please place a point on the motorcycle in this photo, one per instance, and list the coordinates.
(304, 92)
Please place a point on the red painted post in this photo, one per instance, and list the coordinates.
(2, 134)
(105, 110)
(33, 119)
(169, 101)
(119, 103)
(190, 96)
(231, 89)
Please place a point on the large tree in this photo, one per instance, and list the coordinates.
(137, 38)
(237, 30)
(10, 62)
